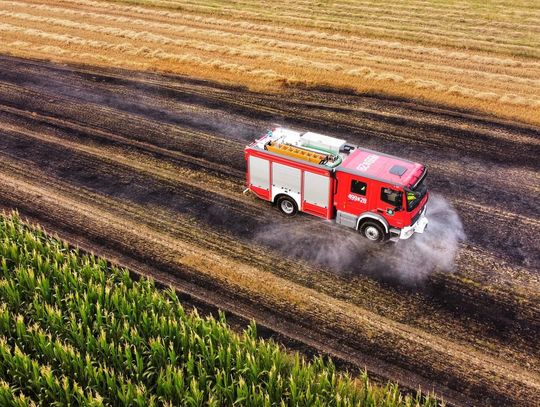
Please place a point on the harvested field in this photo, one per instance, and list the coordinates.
(147, 170)
(468, 54)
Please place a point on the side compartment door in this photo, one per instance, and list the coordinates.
(259, 176)
(286, 180)
(316, 194)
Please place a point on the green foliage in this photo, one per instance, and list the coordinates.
(76, 331)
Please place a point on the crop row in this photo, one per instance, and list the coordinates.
(247, 7)
(418, 33)
(400, 26)
(332, 52)
(410, 7)
(364, 72)
(311, 34)
(460, 17)
(144, 52)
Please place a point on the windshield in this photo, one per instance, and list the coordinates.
(414, 198)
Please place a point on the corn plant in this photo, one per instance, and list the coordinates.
(75, 330)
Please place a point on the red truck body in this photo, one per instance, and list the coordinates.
(382, 196)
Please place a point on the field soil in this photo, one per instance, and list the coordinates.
(148, 171)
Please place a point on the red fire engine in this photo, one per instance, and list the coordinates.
(381, 196)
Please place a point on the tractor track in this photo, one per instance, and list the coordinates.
(164, 154)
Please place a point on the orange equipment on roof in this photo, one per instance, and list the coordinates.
(297, 152)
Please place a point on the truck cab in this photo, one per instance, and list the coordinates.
(382, 196)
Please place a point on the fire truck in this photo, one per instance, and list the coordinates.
(381, 196)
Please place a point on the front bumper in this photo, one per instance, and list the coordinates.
(418, 227)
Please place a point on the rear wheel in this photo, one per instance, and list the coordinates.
(287, 206)
(373, 231)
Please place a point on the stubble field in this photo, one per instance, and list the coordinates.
(470, 54)
(147, 169)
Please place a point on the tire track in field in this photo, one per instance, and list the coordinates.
(481, 210)
(235, 99)
(235, 157)
(228, 155)
(430, 133)
(226, 146)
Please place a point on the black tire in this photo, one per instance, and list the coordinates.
(373, 231)
(287, 206)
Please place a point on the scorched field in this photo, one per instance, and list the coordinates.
(147, 169)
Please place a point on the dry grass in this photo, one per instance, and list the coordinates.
(465, 54)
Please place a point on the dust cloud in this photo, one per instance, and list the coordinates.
(344, 251)
(140, 99)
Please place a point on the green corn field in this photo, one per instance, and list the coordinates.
(76, 331)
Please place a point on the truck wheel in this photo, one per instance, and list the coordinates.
(287, 206)
(373, 231)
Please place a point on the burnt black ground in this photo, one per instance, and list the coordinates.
(148, 108)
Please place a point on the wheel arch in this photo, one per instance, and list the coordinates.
(276, 197)
(372, 216)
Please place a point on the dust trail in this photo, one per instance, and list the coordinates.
(194, 111)
(343, 251)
